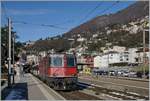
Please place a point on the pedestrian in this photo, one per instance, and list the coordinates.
(21, 70)
(15, 72)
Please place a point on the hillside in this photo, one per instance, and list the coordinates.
(124, 28)
(136, 11)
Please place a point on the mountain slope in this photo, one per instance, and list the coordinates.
(113, 29)
(131, 13)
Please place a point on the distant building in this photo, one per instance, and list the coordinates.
(85, 63)
(81, 39)
(32, 59)
(133, 57)
(43, 53)
(116, 48)
(97, 61)
(28, 43)
(140, 56)
(111, 58)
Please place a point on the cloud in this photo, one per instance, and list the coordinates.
(30, 11)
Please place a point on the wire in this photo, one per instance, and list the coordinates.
(66, 22)
(89, 13)
(109, 7)
(44, 25)
(4, 10)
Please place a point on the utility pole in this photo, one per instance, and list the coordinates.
(13, 58)
(144, 51)
(9, 53)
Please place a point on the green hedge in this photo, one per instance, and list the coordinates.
(141, 68)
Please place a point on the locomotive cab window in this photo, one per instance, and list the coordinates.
(56, 61)
(70, 61)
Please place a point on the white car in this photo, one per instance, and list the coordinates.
(125, 74)
(132, 74)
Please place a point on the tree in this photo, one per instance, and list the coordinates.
(4, 43)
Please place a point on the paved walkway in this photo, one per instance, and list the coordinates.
(28, 87)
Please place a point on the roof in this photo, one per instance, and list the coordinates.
(141, 50)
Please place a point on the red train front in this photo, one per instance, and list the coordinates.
(59, 71)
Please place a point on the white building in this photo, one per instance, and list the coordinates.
(95, 35)
(111, 58)
(29, 43)
(81, 39)
(132, 55)
(97, 61)
(43, 53)
(32, 58)
(140, 56)
(116, 48)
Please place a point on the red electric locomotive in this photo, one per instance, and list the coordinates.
(59, 71)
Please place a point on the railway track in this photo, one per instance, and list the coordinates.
(126, 86)
(109, 94)
(77, 95)
(87, 91)
(74, 95)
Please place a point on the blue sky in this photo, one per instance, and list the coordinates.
(65, 14)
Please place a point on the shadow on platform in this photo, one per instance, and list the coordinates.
(18, 91)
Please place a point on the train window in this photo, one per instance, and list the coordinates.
(70, 61)
(56, 61)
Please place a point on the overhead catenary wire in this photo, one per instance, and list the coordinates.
(66, 22)
(103, 11)
(91, 11)
(4, 11)
(96, 7)
(84, 18)
(43, 25)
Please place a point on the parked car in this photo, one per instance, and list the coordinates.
(120, 73)
(125, 74)
(147, 75)
(105, 73)
(139, 74)
(112, 73)
(132, 74)
(99, 72)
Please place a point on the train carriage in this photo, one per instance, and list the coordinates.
(59, 71)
